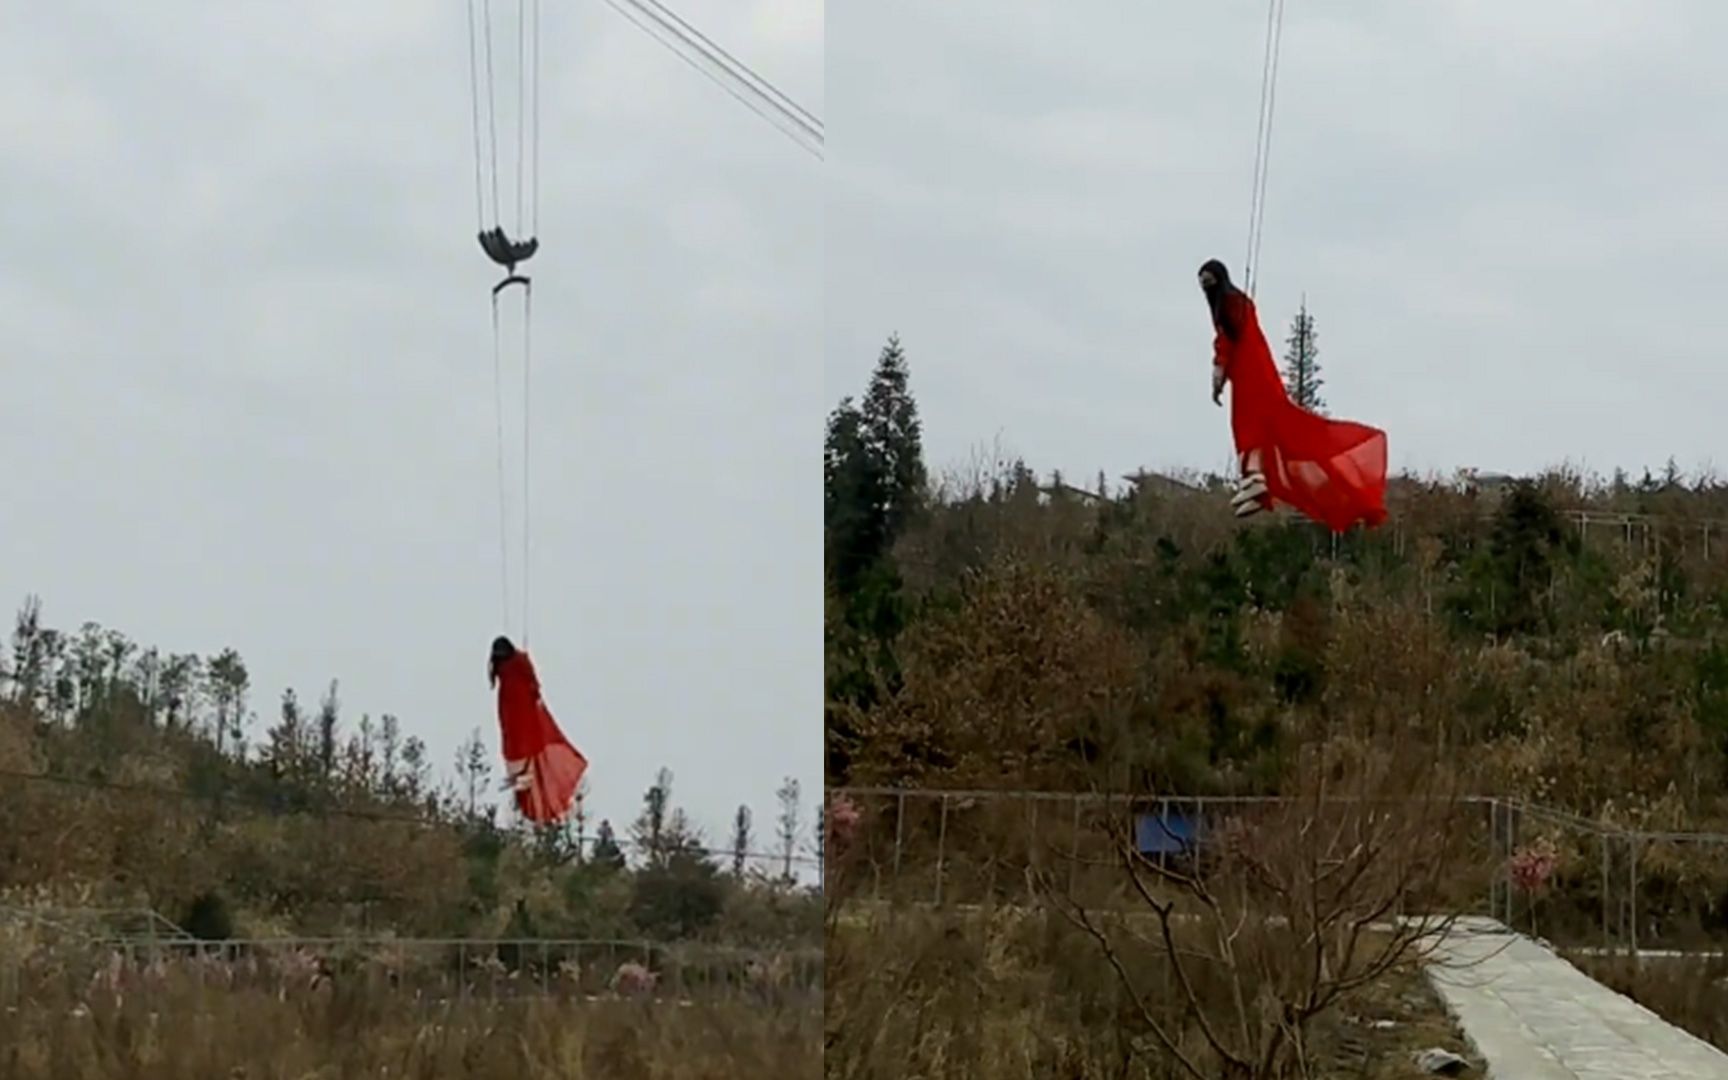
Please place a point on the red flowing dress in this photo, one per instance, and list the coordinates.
(530, 734)
(1333, 471)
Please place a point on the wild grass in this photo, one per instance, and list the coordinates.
(181, 1029)
(1016, 994)
(1690, 992)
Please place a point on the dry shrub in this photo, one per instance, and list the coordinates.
(999, 688)
(1285, 909)
(1015, 994)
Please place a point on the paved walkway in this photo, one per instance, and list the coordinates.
(1533, 1016)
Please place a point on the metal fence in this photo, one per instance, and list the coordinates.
(1609, 887)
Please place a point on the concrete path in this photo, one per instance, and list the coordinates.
(1533, 1016)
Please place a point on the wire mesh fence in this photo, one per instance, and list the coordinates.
(1576, 882)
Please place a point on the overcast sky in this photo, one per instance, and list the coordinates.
(248, 387)
(1508, 219)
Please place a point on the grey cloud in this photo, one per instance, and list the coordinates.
(1505, 218)
(249, 391)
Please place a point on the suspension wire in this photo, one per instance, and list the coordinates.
(521, 108)
(491, 112)
(534, 168)
(1259, 144)
(1263, 141)
(1271, 108)
(474, 101)
(503, 510)
(527, 459)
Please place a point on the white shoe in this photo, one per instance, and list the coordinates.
(1250, 497)
(1250, 488)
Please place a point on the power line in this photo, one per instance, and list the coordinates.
(708, 45)
(725, 71)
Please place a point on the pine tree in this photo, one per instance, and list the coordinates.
(287, 738)
(473, 768)
(894, 434)
(329, 714)
(607, 854)
(226, 682)
(873, 471)
(788, 831)
(740, 840)
(1302, 362)
(649, 831)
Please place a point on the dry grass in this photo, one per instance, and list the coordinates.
(181, 1031)
(1007, 994)
(1689, 992)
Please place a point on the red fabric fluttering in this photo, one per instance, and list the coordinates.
(1333, 471)
(533, 745)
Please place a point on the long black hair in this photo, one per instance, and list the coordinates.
(1215, 283)
(502, 650)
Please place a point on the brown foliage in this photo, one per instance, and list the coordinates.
(997, 689)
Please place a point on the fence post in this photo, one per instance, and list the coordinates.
(1606, 939)
(1632, 897)
(1074, 847)
(899, 835)
(941, 844)
(1031, 852)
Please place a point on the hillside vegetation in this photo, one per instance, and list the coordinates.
(994, 629)
(130, 778)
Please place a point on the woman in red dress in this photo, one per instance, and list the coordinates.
(1334, 471)
(540, 764)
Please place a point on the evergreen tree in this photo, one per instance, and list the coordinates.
(329, 712)
(473, 768)
(895, 436)
(1302, 362)
(227, 682)
(788, 831)
(740, 840)
(873, 488)
(607, 854)
(873, 471)
(649, 831)
(287, 738)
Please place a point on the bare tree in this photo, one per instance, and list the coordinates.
(1231, 948)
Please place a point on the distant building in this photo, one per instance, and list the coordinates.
(1050, 491)
(1477, 482)
(1162, 483)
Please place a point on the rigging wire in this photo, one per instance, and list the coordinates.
(491, 109)
(474, 98)
(527, 457)
(1263, 141)
(503, 509)
(534, 167)
(527, 184)
(521, 108)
